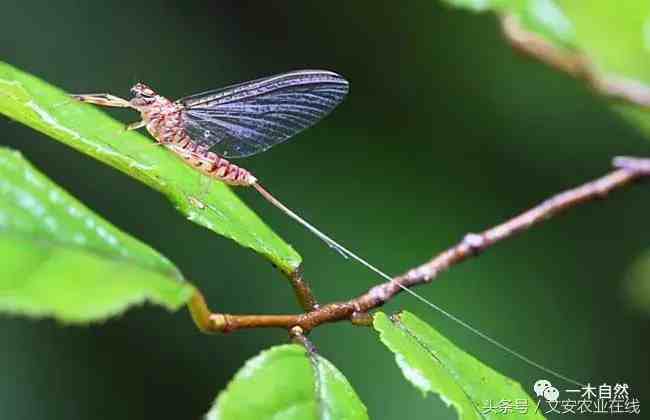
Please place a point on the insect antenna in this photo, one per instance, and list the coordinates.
(346, 253)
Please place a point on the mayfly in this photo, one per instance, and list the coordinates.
(237, 121)
(245, 119)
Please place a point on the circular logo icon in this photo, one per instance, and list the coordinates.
(540, 386)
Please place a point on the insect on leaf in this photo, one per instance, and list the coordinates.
(49, 110)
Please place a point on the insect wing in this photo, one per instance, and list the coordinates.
(249, 118)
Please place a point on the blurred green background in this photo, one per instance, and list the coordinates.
(445, 131)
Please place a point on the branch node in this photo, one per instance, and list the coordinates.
(632, 163)
(218, 322)
(297, 335)
(474, 242)
(296, 331)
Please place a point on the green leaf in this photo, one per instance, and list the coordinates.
(434, 364)
(204, 201)
(60, 259)
(284, 383)
(615, 36)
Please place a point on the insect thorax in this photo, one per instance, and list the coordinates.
(164, 120)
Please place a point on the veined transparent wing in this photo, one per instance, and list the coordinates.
(248, 118)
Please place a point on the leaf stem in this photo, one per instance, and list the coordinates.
(303, 292)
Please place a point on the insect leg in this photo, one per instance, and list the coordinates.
(103, 99)
(136, 125)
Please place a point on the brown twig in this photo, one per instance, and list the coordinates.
(356, 310)
(575, 64)
(303, 292)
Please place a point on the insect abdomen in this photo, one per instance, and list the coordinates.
(214, 165)
(164, 122)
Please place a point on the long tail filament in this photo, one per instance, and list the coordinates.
(347, 253)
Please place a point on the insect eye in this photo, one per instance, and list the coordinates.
(141, 91)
